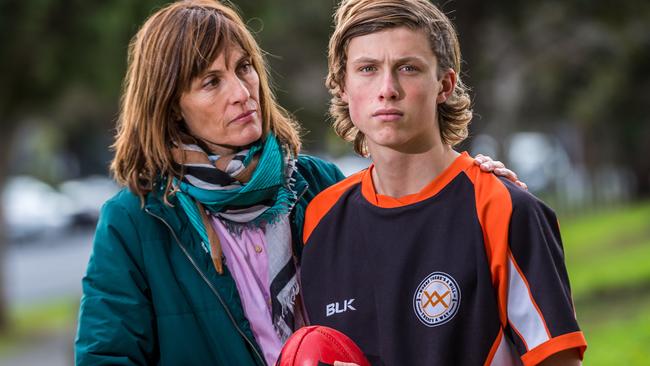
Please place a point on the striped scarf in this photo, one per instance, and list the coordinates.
(255, 188)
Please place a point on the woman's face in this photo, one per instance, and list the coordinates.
(221, 107)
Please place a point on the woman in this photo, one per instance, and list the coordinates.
(195, 263)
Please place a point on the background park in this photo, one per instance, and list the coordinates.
(561, 94)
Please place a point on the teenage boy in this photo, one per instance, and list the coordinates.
(421, 258)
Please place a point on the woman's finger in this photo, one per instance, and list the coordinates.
(521, 185)
(498, 164)
(507, 173)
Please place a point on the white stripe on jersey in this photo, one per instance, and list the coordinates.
(522, 313)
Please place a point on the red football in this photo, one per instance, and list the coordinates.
(319, 345)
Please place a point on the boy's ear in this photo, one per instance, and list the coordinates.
(447, 85)
(344, 95)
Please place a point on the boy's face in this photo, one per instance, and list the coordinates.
(392, 89)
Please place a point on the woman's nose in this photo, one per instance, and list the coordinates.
(240, 92)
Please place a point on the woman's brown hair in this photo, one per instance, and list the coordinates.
(356, 18)
(176, 44)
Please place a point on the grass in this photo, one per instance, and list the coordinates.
(617, 332)
(608, 259)
(30, 323)
(618, 270)
(608, 252)
(590, 232)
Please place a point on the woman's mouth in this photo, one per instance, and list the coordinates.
(244, 117)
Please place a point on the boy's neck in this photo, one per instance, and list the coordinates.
(397, 174)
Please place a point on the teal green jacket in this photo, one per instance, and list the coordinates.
(151, 295)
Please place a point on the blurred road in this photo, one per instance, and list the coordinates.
(43, 270)
(48, 268)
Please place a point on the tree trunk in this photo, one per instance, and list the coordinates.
(5, 150)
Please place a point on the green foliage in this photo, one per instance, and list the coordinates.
(62, 64)
(48, 46)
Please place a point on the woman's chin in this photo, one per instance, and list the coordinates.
(249, 135)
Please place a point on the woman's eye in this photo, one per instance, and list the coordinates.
(211, 83)
(246, 67)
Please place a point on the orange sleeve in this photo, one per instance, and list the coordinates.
(494, 207)
(555, 345)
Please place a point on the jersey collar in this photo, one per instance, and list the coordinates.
(461, 163)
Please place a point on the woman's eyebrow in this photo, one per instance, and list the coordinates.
(242, 58)
(211, 73)
(218, 71)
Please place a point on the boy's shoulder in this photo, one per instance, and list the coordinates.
(499, 193)
(334, 191)
(502, 205)
(326, 199)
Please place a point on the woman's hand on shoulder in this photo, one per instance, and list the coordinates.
(487, 164)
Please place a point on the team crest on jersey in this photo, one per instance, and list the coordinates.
(437, 299)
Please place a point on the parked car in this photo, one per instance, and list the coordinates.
(87, 195)
(33, 208)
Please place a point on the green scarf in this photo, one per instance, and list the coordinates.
(269, 187)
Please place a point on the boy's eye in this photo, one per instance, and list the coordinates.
(409, 68)
(367, 68)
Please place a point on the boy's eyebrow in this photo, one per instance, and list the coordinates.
(364, 60)
(409, 59)
(401, 60)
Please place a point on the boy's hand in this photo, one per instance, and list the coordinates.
(488, 165)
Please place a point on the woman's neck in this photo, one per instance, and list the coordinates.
(221, 150)
(225, 153)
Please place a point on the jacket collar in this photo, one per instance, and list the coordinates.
(172, 215)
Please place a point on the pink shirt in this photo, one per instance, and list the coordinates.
(248, 263)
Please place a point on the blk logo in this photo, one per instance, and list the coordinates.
(338, 307)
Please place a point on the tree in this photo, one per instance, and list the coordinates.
(50, 51)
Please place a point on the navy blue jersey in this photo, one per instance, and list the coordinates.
(469, 271)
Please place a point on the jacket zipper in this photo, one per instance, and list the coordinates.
(305, 318)
(207, 281)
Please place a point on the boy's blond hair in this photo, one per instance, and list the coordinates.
(356, 18)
